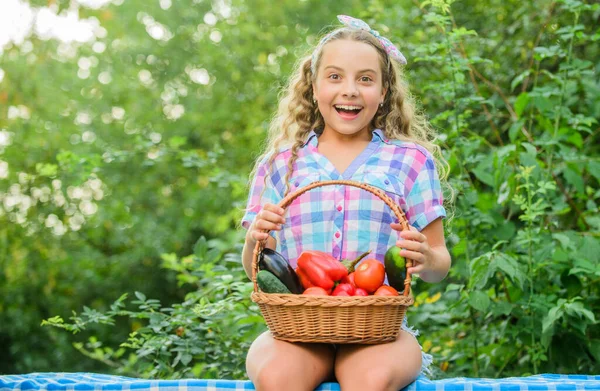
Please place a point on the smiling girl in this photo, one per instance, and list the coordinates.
(347, 114)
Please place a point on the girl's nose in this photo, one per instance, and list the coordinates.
(350, 89)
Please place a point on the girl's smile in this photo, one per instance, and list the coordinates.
(348, 88)
(348, 112)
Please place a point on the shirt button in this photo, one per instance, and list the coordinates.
(387, 182)
(337, 235)
(296, 184)
(339, 208)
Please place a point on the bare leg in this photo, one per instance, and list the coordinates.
(390, 366)
(279, 365)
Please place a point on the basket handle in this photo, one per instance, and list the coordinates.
(287, 200)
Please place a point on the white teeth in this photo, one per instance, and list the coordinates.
(345, 107)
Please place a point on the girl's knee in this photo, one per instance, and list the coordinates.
(277, 365)
(287, 375)
(380, 367)
(369, 378)
(270, 379)
(376, 378)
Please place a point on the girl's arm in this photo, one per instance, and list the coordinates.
(427, 249)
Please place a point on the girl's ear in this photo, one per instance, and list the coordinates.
(314, 91)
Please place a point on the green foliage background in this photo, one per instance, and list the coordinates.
(119, 156)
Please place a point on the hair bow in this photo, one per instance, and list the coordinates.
(389, 47)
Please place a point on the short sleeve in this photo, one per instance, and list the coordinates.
(425, 201)
(262, 191)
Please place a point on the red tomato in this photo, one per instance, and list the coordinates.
(315, 291)
(343, 287)
(360, 292)
(385, 290)
(369, 275)
(341, 293)
(349, 279)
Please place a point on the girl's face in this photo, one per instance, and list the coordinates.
(348, 87)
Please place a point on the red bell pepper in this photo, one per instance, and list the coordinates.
(303, 279)
(321, 268)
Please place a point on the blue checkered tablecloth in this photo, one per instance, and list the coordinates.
(98, 382)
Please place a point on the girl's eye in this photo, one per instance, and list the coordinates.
(334, 76)
(365, 79)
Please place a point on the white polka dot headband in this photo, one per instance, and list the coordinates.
(358, 24)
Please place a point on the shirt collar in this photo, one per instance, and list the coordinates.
(378, 136)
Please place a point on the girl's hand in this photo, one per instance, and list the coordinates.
(416, 247)
(270, 218)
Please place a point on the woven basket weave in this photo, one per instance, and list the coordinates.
(334, 319)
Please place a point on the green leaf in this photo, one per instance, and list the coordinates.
(590, 250)
(186, 358)
(543, 104)
(521, 103)
(483, 175)
(530, 149)
(45, 169)
(505, 230)
(454, 287)
(140, 296)
(575, 139)
(515, 129)
(502, 308)
(595, 348)
(177, 141)
(479, 300)
(201, 248)
(542, 52)
(517, 80)
(480, 272)
(577, 308)
(594, 169)
(461, 32)
(551, 317)
(575, 179)
(511, 267)
(527, 159)
(585, 266)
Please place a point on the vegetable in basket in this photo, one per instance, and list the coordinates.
(275, 263)
(386, 290)
(309, 262)
(321, 269)
(268, 283)
(315, 291)
(344, 289)
(350, 265)
(369, 275)
(304, 278)
(395, 268)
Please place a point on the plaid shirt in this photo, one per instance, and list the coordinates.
(342, 220)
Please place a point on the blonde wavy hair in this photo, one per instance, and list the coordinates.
(298, 113)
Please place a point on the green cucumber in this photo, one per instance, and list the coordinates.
(395, 268)
(268, 283)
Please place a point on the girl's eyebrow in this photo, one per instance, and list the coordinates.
(360, 71)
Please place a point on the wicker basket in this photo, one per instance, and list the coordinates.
(334, 319)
